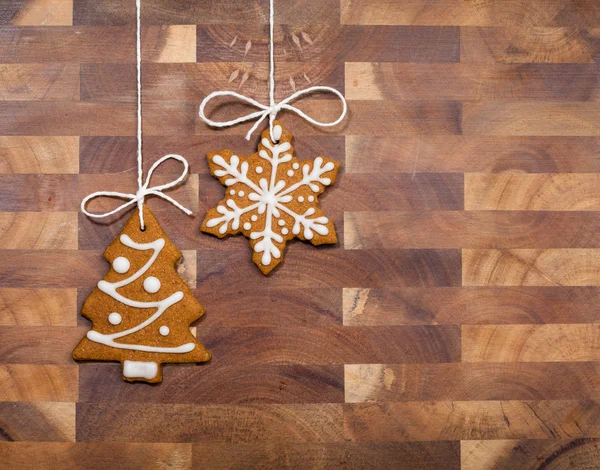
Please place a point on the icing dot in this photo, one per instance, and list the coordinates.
(254, 218)
(284, 231)
(247, 226)
(311, 198)
(281, 222)
(290, 173)
(295, 166)
(241, 194)
(164, 330)
(232, 192)
(259, 169)
(300, 198)
(151, 285)
(115, 318)
(121, 264)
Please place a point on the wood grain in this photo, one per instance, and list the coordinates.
(454, 325)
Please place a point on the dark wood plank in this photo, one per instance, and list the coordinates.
(472, 229)
(159, 12)
(471, 382)
(39, 345)
(95, 456)
(348, 455)
(352, 268)
(37, 422)
(208, 423)
(450, 420)
(332, 345)
(473, 305)
(330, 43)
(235, 384)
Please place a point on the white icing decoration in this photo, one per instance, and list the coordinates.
(295, 165)
(121, 265)
(110, 288)
(285, 231)
(259, 169)
(311, 198)
(281, 222)
(140, 370)
(232, 192)
(247, 226)
(115, 318)
(277, 131)
(164, 330)
(290, 172)
(241, 194)
(151, 285)
(269, 197)
(254, 218)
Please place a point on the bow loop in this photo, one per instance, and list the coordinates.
(143, 191)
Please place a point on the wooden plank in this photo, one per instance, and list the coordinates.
(530, 343)
(96, 44)
(37, 307)
(406, 81)
(159, 12)
(35, 118)
(533, 44)
(43, 82)
(465, 382)
(469, 305)
(471, 420)
(193, 82)
(552, 267)
(332, 345)
(508, 454)
(330, 43)
(471, 154)
(474, 229)
(350, 455)
(535, 118)
(33, 154)
(340, 268)
(73, 456)
(562, 192)
(39, 345)
(34, 383)
(208, 423)
(368, 118)
(520, 13)
(63, 193)
(38, 230)
(37, 422)
(36, 12)
(235, 384)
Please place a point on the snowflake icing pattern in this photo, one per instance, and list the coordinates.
(271, 198)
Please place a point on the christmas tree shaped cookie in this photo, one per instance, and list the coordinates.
(142, 310)
(271, 197)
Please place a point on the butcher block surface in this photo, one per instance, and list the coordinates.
(455, 325)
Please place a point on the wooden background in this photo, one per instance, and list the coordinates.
(455, 325)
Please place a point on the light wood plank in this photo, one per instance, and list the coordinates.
(527, 267)
(44, 13)
(32, 154)
(38, 230)
(530, 343)
(38, 422)
(37, 307)
(35, 383)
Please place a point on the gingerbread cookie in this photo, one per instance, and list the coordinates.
(271, 198)
(141, 311)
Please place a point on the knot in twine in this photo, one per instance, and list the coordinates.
(143, 191)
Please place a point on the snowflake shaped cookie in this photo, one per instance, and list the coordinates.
(271, 198)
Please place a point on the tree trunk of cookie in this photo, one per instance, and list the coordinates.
(139, 370)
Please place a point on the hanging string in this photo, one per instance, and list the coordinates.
(144, 188)
(273, 109)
